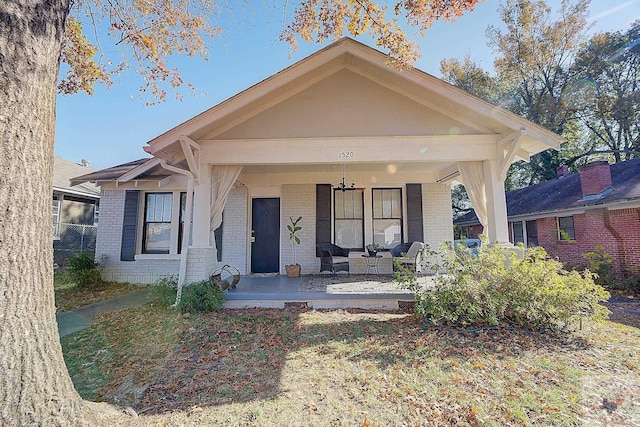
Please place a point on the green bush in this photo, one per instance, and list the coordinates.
(164, 291)
(496, 288)
(200, 297)
(196, 297)
(83, 269)
(601, 263)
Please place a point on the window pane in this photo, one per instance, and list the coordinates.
(157, 214)
(518, 234)
(565, 224)
(532, 233)
(396, 210)
(348, 204)
(166, 217)
(387, 232)
(349, 199)
(358, 200)
(377, 203)
(387, 203)
(339, 204)
(151, 203)
(349, 233)
(158, 237)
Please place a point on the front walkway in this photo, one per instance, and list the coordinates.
(81, 318)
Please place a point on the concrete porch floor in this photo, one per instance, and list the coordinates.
(276, 291)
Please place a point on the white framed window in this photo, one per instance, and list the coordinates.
(55, 215)
(566, 230)
(156, 234)
(96, 212)
(525, 232)
(518, 232)
(387, 216)
(349, 218)
(163, 222)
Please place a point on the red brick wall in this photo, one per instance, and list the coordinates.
(617, 231)
(476, 231)
(595, 178)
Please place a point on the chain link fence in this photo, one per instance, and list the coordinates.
(73, 239)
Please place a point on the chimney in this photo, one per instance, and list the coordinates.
(563, 170)
(595, 178)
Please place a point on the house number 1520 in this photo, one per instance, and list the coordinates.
(346, 154)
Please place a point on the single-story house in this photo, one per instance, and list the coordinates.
(74, 210)
(362, 151)
(574, 213)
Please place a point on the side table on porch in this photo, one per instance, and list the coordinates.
(372, 263)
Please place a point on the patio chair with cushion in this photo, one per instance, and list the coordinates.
(333, 258)
(410, 259)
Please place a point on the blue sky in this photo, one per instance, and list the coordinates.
(113, 125)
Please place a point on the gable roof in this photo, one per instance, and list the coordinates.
(64, 170)
(366, 63)
(565, 193)
(108, 174)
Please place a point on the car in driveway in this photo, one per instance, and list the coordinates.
(472, 244)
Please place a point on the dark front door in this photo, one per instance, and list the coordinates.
(265, 233)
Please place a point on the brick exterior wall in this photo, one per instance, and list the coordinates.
(437, 217)
(235, 228)
(477, 230)
(108, 247)
(201, 262)
(299, 200)
(618, 231)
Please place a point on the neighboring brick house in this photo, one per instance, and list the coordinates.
(74, 210)
(599, 206)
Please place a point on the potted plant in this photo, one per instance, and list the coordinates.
(373, 248)
(293, 270)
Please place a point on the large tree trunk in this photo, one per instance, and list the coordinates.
(35, 387)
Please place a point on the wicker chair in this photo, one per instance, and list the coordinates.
(333, 258)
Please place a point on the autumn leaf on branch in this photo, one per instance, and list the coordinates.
(78, 53)
(320, 20)
(148, 32)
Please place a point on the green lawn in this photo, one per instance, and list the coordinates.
(286, 367)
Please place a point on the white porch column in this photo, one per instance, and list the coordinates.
(201, 211)
(496, 230)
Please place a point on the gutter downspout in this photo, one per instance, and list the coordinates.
(186, 232)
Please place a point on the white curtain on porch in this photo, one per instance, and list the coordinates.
(472, 174)
(222, 179)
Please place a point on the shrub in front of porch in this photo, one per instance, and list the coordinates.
(196, 297)
(496, 288)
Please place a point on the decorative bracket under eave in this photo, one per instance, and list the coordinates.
(508, 149)
(188, 147)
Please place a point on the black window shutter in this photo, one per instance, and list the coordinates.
(217, 235)
(323, 215)
(414, 213)
(129, 226)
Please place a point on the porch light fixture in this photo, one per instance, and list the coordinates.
(343, 186)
